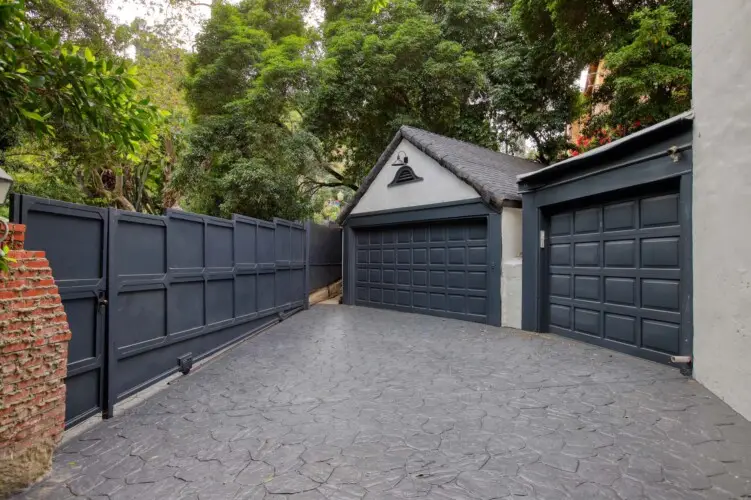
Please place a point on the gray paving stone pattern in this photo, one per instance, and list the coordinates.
(354, 403)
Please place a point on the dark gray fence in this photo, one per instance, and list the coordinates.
(325, 254)
(143, 291)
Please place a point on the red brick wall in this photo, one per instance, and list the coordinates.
(34, 337)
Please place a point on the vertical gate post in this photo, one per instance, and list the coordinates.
(306, 256)
(108, 408)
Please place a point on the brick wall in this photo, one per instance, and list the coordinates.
(34, 337)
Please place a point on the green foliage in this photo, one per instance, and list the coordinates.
(46, 85)
(4, 258)
(247, 87)
(650, 76)
(387, 69)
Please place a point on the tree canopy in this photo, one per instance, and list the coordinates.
(272, 114)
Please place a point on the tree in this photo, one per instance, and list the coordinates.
(382, 70)
(46, 87)
(650, 75)
(247, 87)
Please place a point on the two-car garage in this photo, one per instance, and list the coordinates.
(438, 268)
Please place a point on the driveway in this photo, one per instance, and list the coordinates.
(348, 403)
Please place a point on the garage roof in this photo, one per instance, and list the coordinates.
(491, 174)
(630, 142)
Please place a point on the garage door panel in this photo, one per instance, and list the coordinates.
(438, 278)
(560, 254)
(660, 211)
(560, 315)
(620, 253)
(587, 321)
(457, 279)
(419, 299)
(419, 235)
(660, 336)
(660, 252)
(587, 221)
(477, 280)
(560, 285)
(432, 268)
(587, 254)
(620, 328)
(419, 278)
(560, 224)
(420, 256)
(620, 291)
(437, 256)
(660, 294)
(614, 279)
(587, 288)
(619, 217)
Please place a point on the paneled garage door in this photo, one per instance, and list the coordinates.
(437, 268)
(614, 275)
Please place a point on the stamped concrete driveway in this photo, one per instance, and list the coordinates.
(349, 403)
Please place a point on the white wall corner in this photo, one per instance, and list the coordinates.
(511, 267)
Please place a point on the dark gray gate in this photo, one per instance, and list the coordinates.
(179, 286)
(75, 238)
(614, 275)
(325, 254)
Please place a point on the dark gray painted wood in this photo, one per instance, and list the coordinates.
(450, 210)
(597, 185)
(175, 284)
(441, 218)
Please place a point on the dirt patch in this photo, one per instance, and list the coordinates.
(21, 469)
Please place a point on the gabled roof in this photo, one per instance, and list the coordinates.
(491, 174)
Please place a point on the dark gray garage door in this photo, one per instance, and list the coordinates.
(436, 268)
(614, 275)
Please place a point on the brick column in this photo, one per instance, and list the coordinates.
(34, 338)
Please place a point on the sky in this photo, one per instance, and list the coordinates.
(156, 11)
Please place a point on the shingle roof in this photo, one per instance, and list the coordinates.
(491, 174)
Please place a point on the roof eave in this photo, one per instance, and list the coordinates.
(573, 162)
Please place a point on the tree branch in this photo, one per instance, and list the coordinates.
(336, 175)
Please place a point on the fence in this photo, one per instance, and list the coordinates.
(146, 294)
(325, 254)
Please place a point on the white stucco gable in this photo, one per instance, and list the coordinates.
(438, 184)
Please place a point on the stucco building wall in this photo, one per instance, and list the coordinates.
(511, 270)
(722, 199)
(439, 185)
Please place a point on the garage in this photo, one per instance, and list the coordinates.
(431, 227)
(437, 268)
(610, 233)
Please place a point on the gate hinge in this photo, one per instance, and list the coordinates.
(542, 238)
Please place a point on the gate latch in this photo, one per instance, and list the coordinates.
(101, 300)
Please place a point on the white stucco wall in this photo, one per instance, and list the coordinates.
(722, 199)
(511, 268)
(439, 185)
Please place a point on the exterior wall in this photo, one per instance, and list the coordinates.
(34, 338)
(511, 267)
(722, 200)
(439, 185)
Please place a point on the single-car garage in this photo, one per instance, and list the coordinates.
(428, 230)
(607, 240)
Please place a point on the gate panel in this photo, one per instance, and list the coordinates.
(75, 239)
